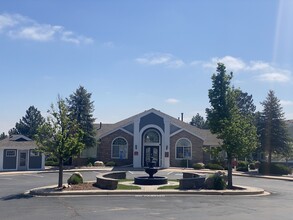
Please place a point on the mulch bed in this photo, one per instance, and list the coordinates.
(83, 186)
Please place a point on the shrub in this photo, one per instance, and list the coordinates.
(279, 169)
(110, 164)
(89, 164)
(51, 161)
(183, 163)
(275, 169)
(198, 166)
(242, 169)
(216, 181)
(213, 166)
(75, 178)
(242, 163)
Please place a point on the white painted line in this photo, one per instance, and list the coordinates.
(130, 172)
(169, 173)
(178, 174)
(6, 179)
(34, 175)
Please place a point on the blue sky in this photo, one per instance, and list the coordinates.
(136, 55)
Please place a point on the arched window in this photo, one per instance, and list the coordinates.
(152, 136)
(183, 149)
(119, 148)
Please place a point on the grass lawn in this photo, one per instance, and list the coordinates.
(169, 187)
(126, 187)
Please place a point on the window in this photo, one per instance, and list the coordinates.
(10, 153)
(183, 149)
(120, 148)
(151, 136)
(34, 153)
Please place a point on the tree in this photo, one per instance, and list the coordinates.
(81, 109)
(30, 123)
(273, 131)
(60, 136)
(199, 122)
(3, 136)
(13, 131)
(235, 129)
(245, 103)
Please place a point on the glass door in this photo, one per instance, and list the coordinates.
(22, 160)
(151, 152)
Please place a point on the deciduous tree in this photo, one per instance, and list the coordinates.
(227, 121)
(60, 136)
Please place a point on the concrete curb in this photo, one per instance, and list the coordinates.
(48, 191)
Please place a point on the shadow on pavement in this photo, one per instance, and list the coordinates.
(16, 196)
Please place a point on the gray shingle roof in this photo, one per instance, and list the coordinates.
(17, 141)
(206, 135)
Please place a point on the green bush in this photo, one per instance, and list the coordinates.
(183, 163)
(51, 161)
(213, 166)
(242, 169)
(216, 181)
(242, 163)
(110, 164)
(275, 169)
(75, 178)
(242, 166)
(198, 166)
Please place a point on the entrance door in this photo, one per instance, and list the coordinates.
(151, 151)
(22, 160)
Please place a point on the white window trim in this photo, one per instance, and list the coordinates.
(151, 143)
(183, 150)
(34, 153)
(6, 154)
(126, 156)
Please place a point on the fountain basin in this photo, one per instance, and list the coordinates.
(145, 180)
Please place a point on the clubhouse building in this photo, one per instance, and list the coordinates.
(151, 134)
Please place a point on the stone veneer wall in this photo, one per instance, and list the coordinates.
(197, 151)
(104, 148)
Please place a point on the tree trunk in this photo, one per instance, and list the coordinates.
(229, 165)
(60, 179)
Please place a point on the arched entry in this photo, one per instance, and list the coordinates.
(151, 146)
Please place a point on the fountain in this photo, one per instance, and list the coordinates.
(151, 179)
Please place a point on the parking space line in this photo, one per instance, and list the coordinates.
(34, 175)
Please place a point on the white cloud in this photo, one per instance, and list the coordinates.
(20, 27)
(231, 63)
(263, 71)
(172, 101)
(165, 59)
(273, 77)
(286, 103)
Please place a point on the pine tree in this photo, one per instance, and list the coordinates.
(30, 123)
(3, 136)
(199, 122)
(273, 131)
(81, 110)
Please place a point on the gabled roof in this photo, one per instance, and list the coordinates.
(17, 141)
(205, 135)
